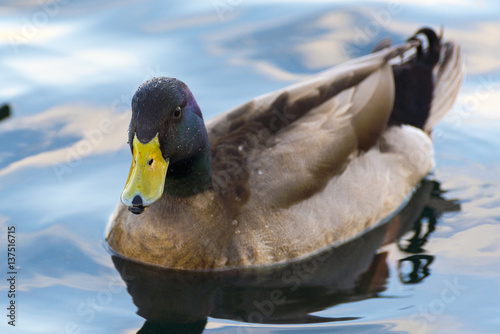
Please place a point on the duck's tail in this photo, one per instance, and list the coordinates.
(427, 82)
(449, 73)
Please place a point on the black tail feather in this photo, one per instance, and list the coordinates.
(414, 82)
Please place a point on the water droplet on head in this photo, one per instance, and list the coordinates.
(234, 222)
(237, 232)
(240, 148)
(260, 172)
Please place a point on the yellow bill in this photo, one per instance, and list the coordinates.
(147, 175)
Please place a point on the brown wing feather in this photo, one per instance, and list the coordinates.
(254, 134)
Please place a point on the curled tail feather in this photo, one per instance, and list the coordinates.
(427, 82)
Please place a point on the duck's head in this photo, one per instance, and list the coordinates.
(169, 144)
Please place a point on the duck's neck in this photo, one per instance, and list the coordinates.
(190, 176)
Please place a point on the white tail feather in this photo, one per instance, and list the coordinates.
(450, 72)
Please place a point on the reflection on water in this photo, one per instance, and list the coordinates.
(419, 263)
(62, 170)
(288, 293)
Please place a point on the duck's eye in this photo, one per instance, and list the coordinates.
(150, 162)
(177, 112)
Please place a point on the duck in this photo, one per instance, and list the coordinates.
(289, 173)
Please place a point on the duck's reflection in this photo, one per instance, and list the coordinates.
(423, 227)
(180, 301)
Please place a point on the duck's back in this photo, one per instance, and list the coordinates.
(319, 162)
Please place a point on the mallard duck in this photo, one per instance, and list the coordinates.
(289, 173)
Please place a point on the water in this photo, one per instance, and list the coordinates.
(69, 70)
